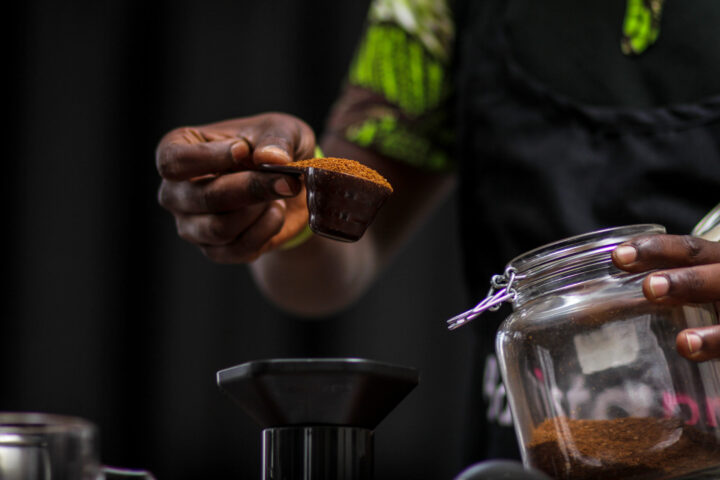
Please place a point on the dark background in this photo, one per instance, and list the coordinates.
(108, 315)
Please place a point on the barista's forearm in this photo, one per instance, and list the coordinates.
(323, 276)
(318, 277)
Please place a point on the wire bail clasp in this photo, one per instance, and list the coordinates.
(501, 290)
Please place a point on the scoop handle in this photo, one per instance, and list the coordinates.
(277, 168)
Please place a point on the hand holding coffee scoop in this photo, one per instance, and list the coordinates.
(343, 196)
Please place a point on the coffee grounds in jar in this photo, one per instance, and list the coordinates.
(344, 165)
(632, 447)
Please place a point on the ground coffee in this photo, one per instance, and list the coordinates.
(633, 447)
(343, 165)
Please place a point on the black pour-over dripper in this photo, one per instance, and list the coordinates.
(317, 415)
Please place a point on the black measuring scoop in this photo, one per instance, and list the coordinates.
(341, 206)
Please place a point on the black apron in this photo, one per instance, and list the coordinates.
(537, 166)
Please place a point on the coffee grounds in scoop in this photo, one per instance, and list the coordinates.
(344, 165)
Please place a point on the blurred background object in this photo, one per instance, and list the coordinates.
(108, 315)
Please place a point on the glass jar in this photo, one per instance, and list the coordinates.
(595, 384)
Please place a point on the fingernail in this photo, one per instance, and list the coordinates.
(282, 187)
(694, 342)
(275, 151)
(659, 286)
(626, 254)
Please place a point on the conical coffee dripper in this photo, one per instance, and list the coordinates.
(317, 415)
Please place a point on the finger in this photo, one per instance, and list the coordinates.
(249, 245)
(177, 159)
(217, 229)
(665, 251)
(684, 285)
(226, 193)
(699, 344)
(283, 142)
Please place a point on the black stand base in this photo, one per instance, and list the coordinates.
(317, 453)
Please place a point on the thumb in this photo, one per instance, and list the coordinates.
(178, 160)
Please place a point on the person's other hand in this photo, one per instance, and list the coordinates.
(689, 273)
(234, 214)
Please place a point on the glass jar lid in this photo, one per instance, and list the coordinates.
(554, 262)
(578, 249)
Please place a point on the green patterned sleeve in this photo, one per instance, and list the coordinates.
(398, 85)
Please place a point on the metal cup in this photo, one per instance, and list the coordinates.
(39, 446)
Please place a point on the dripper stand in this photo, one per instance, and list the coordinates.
(318, 415)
